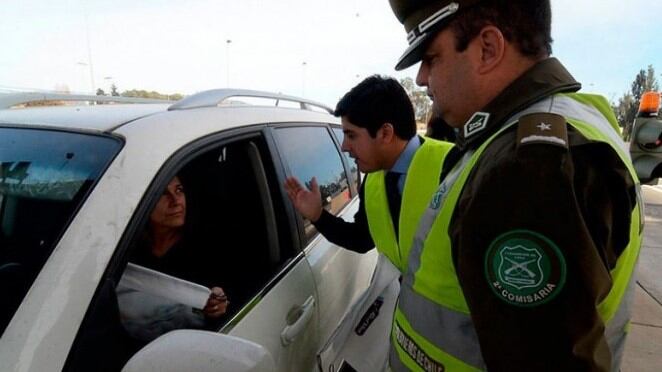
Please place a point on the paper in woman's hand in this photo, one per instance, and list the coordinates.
(159, 284)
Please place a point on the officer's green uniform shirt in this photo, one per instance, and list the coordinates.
(536, 209)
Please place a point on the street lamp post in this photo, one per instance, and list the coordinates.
(110, 87)
(83, 66)
(303, 79)
(227, 62)
(89, 51)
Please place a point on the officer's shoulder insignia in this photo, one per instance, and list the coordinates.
(476, 123)
(524, 268)
(542, 128)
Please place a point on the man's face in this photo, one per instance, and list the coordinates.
(361, 146)
(448, 76)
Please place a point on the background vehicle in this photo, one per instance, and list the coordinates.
(78, 182)
(646, 139)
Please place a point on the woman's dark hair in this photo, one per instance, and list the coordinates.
(190, 206)
(378, 100)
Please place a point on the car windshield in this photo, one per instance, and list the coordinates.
(44, 177)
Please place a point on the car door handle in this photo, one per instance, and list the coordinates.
(297, 319)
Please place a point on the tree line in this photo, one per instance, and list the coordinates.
(139, 93)
(627, 106)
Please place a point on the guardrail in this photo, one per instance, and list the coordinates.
(10, 100)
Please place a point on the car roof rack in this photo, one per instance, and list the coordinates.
(214, 97)
(10, 100)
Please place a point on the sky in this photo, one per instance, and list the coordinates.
(318, 49)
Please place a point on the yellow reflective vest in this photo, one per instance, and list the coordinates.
(421, 182)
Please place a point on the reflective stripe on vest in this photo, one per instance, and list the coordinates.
(422, 180)
(432, 319)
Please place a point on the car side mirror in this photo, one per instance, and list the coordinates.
(194, 350)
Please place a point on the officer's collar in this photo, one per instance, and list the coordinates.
(545, 78)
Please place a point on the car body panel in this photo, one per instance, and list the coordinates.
(338, 272)
(266, 321)
(99, 118)
(61, 293)
(46, 324)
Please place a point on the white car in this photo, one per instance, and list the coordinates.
(78, 182)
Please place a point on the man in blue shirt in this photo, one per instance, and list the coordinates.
(380, 134)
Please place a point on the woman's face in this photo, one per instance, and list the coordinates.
(170, 211)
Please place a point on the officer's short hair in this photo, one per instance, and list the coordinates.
(378, 100)
(525, 23)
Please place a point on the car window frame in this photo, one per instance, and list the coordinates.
(355, 184)
(166, 172)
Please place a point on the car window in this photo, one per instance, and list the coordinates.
(353, 168)
(44, 177)
(231, 237)
(311, 152)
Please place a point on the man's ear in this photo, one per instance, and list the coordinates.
(491, 47)
(386, 133)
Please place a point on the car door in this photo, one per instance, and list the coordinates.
(341, 276)
(245, 240)
(283, 315)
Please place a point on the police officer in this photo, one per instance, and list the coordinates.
(380, 134)
(524, 257)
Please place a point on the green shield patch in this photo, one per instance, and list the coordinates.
(524, 268)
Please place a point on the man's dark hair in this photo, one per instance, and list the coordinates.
(378, 100)
(526, 23)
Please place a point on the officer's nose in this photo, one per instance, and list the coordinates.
(422, 75)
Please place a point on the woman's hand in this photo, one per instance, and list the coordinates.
(217, 303)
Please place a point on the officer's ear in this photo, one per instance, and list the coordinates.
(489, 48)
(386, 133)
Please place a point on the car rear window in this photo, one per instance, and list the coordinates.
(45, 176)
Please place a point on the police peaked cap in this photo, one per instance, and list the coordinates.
(422, 20)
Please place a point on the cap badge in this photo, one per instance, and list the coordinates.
(432, 20)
